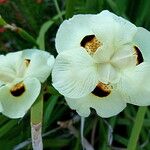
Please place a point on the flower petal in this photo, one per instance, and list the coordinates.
(135, 84)
(105, 106)
(8, 66)
(119, 30)
(11, 60)
(103, 54)
(17, 98)
(124, 57)
(126, 30)
(74, 73)
(72, 31)
(41, 63)
(108, 73)
(142, 40)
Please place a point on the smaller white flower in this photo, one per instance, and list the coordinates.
(20, 76)
(103, 63)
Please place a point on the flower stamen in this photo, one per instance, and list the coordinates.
(90, 43)
(27, 62)
(102, 90)
(18, 89)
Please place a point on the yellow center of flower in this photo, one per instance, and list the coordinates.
(27, 62)
(102, 90)
(18, 89)
(90, 43)
(139, 55)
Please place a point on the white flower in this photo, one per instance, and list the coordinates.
(20, 76)
(103, 63)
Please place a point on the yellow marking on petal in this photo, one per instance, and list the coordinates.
(102, 90)
(27, 62)
(139, 55)
(18, 89)
(90, 43)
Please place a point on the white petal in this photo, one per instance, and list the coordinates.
(74, 73)
(6, 75)
(104, 27)
(107, 73)
(72, 31)
(103, 54)
(124, 57)
(17, 106)
(111, 27)
(9, 65)
(142, 40)
(11, 60)
(41, 63)
(126, 31)
(105, 107)
(135, 83)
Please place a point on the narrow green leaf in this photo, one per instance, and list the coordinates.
(48, 112)
(7, 127)
(70, 6)
(2, 21)
(44, 29)
(136, 128)
(26, 36)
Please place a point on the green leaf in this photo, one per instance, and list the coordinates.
(137, 128)
(44, 29)
(48, 111)
(7, 127)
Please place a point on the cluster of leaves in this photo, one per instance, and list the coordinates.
(61, 126)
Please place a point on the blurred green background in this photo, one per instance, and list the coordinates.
(41, 19)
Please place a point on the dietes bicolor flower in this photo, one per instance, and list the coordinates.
(21, 75)
(103, 63)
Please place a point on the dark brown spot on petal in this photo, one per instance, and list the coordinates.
(18, 89)
(90, 43)
(139, 55)
(102, 90)
(27, 62)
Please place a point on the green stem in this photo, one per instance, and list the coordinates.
(36, 123)
(2, 21)
(21, 32)
(58, 10)
(137, 128)
(37, 110)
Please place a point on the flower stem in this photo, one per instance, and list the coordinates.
(136, 128)
(36, 123)
(21, 32)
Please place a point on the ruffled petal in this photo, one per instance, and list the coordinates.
(17, 98)
(11, 61)
(107, 73)
(74, 73)
(124, 57)
(103, 54)
(39, 65)
(9, 65)
(104, 27)
(112, 28)
(105, 106)
(135, 84)
(72, 31)
(142, 41)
